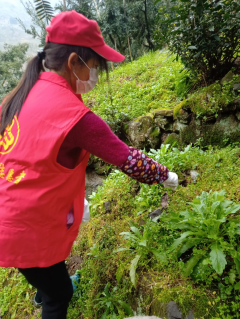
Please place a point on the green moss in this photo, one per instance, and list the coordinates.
(172, 139)
(208, 100)
(155, 133)
(188, 134)
(186, 104)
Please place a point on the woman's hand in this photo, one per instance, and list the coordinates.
(172, 181)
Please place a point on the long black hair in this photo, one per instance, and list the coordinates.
(55, 57)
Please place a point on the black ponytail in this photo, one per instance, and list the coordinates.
(55, 57)
(13, 102)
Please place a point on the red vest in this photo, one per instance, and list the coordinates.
(36, 193)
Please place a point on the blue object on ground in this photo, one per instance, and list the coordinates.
(75, 280)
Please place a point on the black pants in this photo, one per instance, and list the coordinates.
(55, 287)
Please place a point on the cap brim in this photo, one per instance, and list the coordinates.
(109, 53)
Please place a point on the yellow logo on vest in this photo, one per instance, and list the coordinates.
(9, 138)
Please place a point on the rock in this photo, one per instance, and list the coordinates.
(178, 126)
(236, 87)
(174, 313)
(157, 212)
(143, 132)
(167, 113)
(164, 123)
(194, 175)
(92, 181)
(107, 206)
(227, 78)
(238, 115)
(143, 317)
(228, 124)
(184, 117)
(164, 200)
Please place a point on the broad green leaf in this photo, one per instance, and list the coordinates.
(136, 231)
(160, 255)
(237, 286)
(233, 209)
(192, 47)
(218, 258)
(232, 277)
(126, 307)
(104, 316)
(120, 249)
(133, 268)
(237, 263)
(108, 303)
(143, 243)
(178, 241)
(191, 264)
(189, 244)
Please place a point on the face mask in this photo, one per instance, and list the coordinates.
(86, 86)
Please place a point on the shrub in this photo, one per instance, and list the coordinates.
(211, 228)
(204, 34)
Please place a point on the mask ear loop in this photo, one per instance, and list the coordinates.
(84, 62)
(75, 75)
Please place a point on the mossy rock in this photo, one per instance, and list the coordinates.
(228, 77)
(225, 130)
(173, 139)
(207, 101)
(143, 132)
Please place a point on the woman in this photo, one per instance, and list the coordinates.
(47, 134)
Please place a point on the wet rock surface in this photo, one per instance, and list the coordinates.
(92, 181)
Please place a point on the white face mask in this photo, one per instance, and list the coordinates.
(86, 86)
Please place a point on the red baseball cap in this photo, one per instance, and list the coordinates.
(70, 27)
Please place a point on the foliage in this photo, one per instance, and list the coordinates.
(107, 300)
(37, 28)
(12, 59)
(15, 294)
(173, 158)
(44, 10)
(210, 100)
(136, 88)
(142, 245)
(208, 229)
(127, 26)
(117, 183)
(212, 297)
(204, 34)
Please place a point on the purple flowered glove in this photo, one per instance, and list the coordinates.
(144, 169)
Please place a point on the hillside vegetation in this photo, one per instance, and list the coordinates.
(130, 262)
(135, 88)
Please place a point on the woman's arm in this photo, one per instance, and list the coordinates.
(94, 135)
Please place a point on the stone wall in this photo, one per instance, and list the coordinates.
(211, 117)
(161, 126)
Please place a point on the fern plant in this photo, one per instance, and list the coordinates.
(211, 229)
(44, 10)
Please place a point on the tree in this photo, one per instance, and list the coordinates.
(203, 33)
(12, 59)
(128, 26)
(39, 21)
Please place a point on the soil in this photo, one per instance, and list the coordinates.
(73, 264)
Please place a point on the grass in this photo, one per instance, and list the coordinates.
(138, 87)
